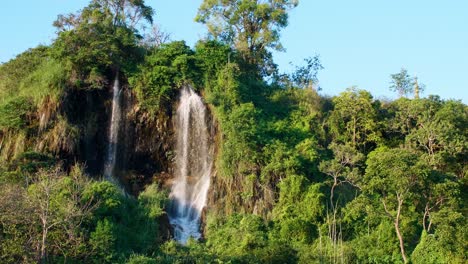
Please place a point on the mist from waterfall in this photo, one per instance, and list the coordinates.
(111, 154)
(193, 167)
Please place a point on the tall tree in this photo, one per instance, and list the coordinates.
(354, 119)
(102, 37)
(343, 168)
(439, 192)
(393, 176)
(125, 13)
(306, 76)
(251, 27)
(402, 83)
(437, 128)
(58, 205)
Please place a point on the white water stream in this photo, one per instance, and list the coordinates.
(111, 154)
(193, 167)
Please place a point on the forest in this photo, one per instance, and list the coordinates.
(296, 176)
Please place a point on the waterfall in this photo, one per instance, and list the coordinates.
(113, 132)
(193, 167)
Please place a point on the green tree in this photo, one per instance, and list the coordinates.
(251, 27)
(17, 231)
(163, 72)
(429, 250)
(306, 76)
(298, 210)
(393, 175)
(435, 128)
(441, 134)
(15, 114)
(102, 37)
(438, 191)
(141, 259)
(58, 205)
(354, 119)
(126, 13)
(444, 225)
(343, 168)
(402, 83)
(103, 241)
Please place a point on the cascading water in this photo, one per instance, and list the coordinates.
(193, 167)
(113, 132)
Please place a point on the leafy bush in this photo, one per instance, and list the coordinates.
(164, 71)
(15, 113)
(141, 259)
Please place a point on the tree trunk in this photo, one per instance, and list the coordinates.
(354, 131)
(400, 238)
(397, 229)
(426, 213)
(43, 243)
(335, 183)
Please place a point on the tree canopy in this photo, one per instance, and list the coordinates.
(251, 27)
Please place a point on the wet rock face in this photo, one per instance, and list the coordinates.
(146, 144)
(86, 109)
(143, 148)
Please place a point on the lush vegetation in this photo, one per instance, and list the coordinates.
(300, 177)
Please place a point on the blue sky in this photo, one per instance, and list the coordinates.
(360, 42)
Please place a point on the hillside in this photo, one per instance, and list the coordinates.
(113, 144)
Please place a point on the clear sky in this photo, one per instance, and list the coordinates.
(360, 42)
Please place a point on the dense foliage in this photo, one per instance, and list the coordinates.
(299, 177)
